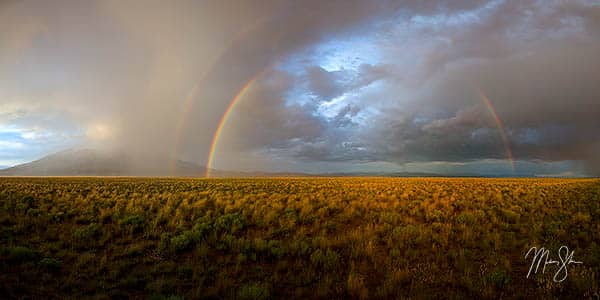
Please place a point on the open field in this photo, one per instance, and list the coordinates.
(298, 238)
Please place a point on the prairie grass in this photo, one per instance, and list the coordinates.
(299, 238)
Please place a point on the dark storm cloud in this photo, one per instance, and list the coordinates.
(287, 27)
(248, 38)
(547, 100)
(324, 84)
(130, 66)
(327, 85)
(344, 116)
(284, 28)
(537, 64)
(264, 119)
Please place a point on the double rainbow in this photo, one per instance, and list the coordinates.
(244, 90)
(189, 100)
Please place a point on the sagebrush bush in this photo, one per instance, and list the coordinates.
(87, 233)
(19, 254)
(50, 263)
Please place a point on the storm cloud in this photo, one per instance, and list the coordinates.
(337, 84)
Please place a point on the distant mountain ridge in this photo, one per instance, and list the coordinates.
(90, 162)
(71, 162)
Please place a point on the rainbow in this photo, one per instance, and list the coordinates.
(189, 101)
(501, 128)
(215, 140)
(187, 107)
(244, 90)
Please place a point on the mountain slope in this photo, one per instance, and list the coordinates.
(72, 162)
(89, 162)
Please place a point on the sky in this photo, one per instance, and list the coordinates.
(453, 87)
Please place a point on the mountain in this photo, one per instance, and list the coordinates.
(72, 162)
(91, 162)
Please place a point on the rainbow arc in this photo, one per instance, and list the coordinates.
(501, 128)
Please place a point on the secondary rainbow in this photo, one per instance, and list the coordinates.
(501, 128)
(193, 94)
(181, 124)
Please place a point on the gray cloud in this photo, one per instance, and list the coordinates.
(538, 68)
(128, 68)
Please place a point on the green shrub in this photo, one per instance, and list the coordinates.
(50, 263)
(165, 242)
(229, 223)
(499, 279)
(183, 241)
(185, 271)
(253, 292)
(34, 212)
(19, 254)
(407, 234)
(276, 250)
(510, 216)
(87, 233)
(201, 230)
(326, 259)
(467, 218)
(29, 201)
(135, 223)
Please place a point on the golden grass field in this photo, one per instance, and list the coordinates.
(299, 238)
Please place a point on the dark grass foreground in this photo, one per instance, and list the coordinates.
(294, 238)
